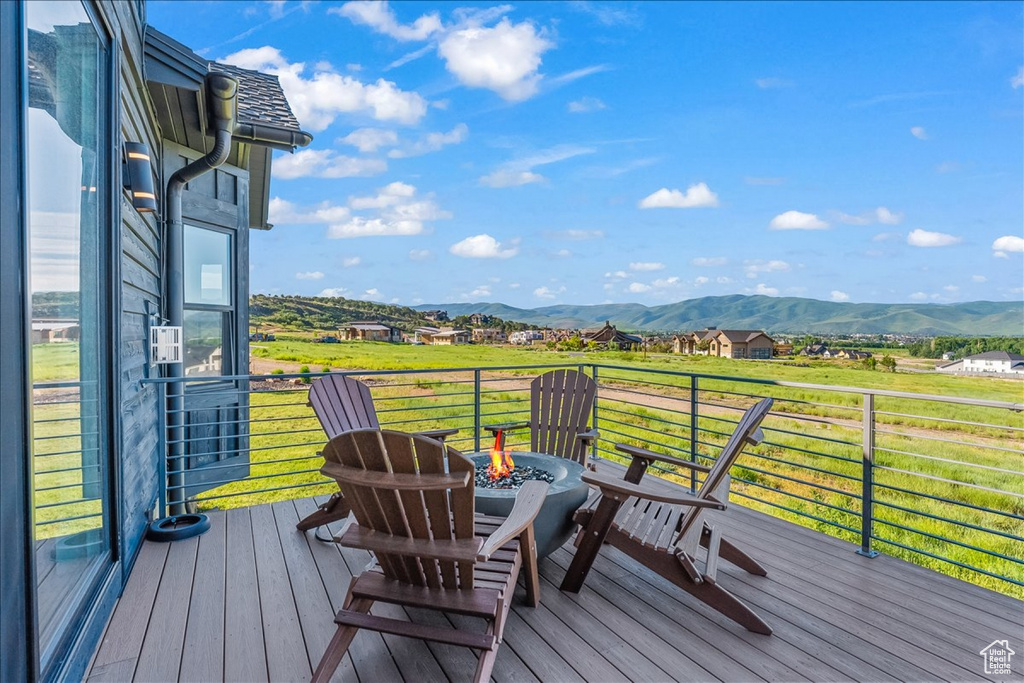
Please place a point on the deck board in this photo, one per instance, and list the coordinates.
(254, 600)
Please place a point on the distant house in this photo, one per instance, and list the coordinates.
(990, 362)
(478, 319)
(851, 354)
(488, 335)
(50, 331)
(436, 316)
(450, 338)
(815, 350)
(783, 350)
(525, 337)
(372, 331)
(424, 335)
(725, 343)
(609, 334)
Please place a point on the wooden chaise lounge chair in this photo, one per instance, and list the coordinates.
(663, 530)
(341, 404)
(561, 404)
(417, 517)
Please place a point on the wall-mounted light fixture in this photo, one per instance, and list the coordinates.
(138, 176)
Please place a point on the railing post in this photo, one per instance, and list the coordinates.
(694, 415)
(593, 446)
(867, 479)
(476, 409)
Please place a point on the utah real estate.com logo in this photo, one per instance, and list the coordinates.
(997, 658)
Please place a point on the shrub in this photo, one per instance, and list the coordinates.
(305, 371)
(326, 368)
(277, 371)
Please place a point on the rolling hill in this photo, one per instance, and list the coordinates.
(775, 314)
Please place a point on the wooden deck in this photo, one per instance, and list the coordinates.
(253, 600)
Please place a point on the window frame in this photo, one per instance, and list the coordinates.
(229, 346)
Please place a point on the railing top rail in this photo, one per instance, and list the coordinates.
(958, 400)
(823, 387)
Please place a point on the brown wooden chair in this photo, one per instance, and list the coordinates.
(662, 530)
(431, 551)
(342, 404)
(561, 404)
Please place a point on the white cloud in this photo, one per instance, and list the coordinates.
(484, 246)
(696, 196)
(482, 290)
(918, 296)
(879, 215)
(398, 212)
(839, 296)
(919, 133)
(420, 254)
(886, 236)
(666, 282)
(924, 238)
(765, 290)
(507, 178)
(772, 83)
(577, 74)
(372, 293)
(431, 142)
(638, 287)
(318, 100)
(646, 266)
(547, 293)
(369, 140)
(333, 292)
(325, 163)
(380, 17)
(723, 280)
(709, 261)
(578, 235)
(585, 105)
(562, 253)
(351, 261)
(389, 195)
(797, 220)
(283, 212)
(504, 58)
(520, 171)
(1018, 80)
(617, 275)
(310, 275)
(952, 289)
(753, 267)
(514, 285)
(979, 278)
(701, 280)
(1007, 243)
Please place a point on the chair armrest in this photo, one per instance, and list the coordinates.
(439, 434)
(493, 429)
(528, 502)
(398, 481)
(589, 435)
(638, 452)
(619, 490)
(463, 550)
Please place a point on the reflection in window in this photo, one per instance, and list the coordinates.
(204, 342)
(67, 191)
(207, 267)
(208, 307)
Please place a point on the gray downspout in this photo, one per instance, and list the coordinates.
(221, 93)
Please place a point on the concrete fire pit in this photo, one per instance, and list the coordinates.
(566, 494)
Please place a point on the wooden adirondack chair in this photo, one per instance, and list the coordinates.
(417, 517)
(663, 530)
(561, 404)
(341, 404)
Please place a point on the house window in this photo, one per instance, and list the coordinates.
(67, 170)
(209, 305)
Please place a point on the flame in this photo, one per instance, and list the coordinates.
(501, 464)
(501, 459)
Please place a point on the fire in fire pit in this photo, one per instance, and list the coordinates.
(502, 472)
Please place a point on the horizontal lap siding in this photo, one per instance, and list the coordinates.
(141, 281)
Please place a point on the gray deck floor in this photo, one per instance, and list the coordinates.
(253, 600)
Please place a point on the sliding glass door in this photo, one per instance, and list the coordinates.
(67, 172)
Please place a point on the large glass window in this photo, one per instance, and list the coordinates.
(209, 313)
(68, 204)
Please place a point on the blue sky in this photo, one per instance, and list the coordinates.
(583, 152)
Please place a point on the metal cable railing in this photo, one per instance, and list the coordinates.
(934, 479)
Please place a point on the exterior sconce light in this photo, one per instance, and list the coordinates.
(138, 177)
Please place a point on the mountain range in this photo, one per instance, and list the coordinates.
(773, 314)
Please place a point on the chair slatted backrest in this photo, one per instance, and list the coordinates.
(429, 513)
(561, 403)
(747, 432)
(342, 404)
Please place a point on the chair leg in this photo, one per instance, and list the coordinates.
(589, 541)
(528, 547)
(484, 666)
(335, 509)
(728, 551)
(715, 596)
(338, 646)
